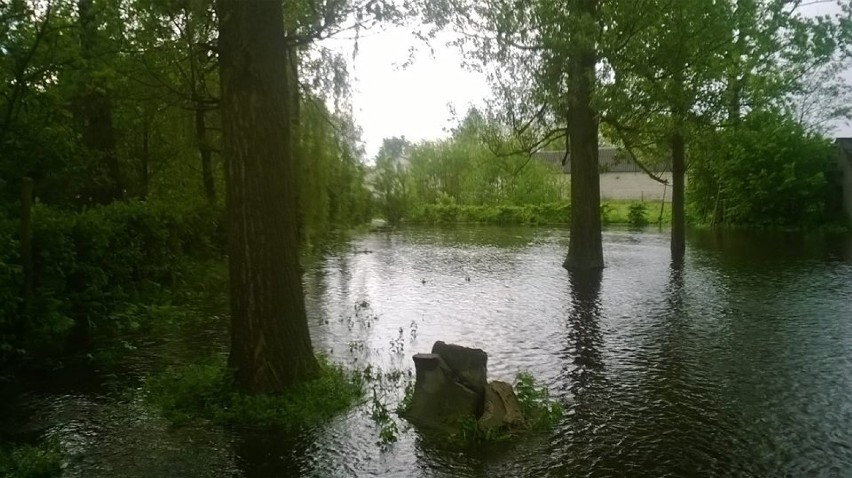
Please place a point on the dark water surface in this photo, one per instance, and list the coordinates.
(740, 364)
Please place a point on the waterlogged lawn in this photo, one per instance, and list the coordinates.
(207, 391)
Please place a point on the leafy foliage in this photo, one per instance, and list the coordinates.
(28, 461)
(768, 172)
(470, 177)
(449, 213)
(540, 411)
(206, 390)
(89, 265)
(636, 215)
(539, 408)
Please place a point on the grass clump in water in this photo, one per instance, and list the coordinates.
(541, 412)
(207, 391)
(28, 461)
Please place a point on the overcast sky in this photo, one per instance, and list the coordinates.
(413, 101)
(389, 100)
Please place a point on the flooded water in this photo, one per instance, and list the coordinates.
(740, 363)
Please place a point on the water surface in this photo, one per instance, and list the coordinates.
(740, 363)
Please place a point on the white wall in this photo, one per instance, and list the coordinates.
(634, 186)
(629, 187)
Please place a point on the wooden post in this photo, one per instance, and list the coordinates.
(27, 242)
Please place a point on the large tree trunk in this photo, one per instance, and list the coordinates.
(270, 342)
(145, 159)
(678, 240)
(206, 153)
(585, 250)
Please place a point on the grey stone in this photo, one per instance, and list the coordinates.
(470, 365)
(501, 410)
(440, 400)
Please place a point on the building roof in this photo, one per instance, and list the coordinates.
(611, 160)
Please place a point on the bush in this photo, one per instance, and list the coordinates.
(88, 264)
(448, 213)
(207, 391)
(767, 172)
(636, 215)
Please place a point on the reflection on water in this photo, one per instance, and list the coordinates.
(738, 362)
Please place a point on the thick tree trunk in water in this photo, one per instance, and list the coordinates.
(206, 154)
(584, 249)
(678, 240)
(270, 343)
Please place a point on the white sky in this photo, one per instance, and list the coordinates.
(415, 101)
(389, 100)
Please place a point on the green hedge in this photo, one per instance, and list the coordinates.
(633, 213)
(448, 213)
(86, 264)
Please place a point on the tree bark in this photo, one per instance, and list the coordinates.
(206, 154)
(270, 342)
(585, 250)
(678, 240)
(145, 160)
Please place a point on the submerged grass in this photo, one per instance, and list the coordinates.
(207, 391)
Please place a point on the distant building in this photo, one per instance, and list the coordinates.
(610, 159)
(843, 173)
(620, 178)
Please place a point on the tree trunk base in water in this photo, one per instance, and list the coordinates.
(582, 264)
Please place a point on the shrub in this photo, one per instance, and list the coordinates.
(606, 212)
(767, 172)
(636, 215)
(506, 214)
(88, 264)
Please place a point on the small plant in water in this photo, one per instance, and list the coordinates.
(413, 330)
(540, 410)
(407, 398)
(388, 431)
(397, 345)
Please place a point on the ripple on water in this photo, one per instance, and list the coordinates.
(739, 364)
